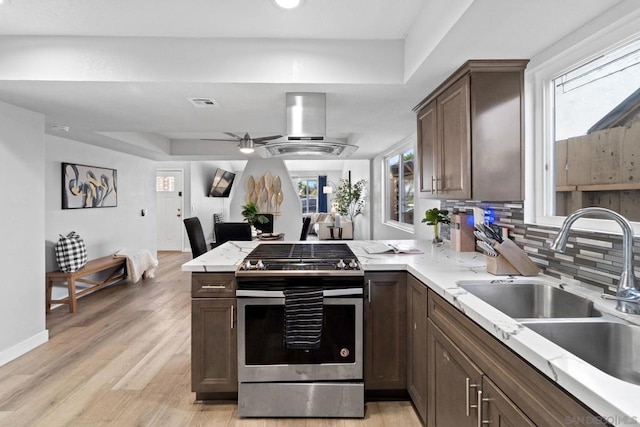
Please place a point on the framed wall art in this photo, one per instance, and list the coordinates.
(88, 187)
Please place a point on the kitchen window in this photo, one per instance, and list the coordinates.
(399, 184)
(580, 95)
(308, 193)
(596, 111)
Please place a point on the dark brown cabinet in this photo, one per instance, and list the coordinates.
(417, 344)
(469, 122)
(385, 325)
(471, 372)
(452, 385)
(460, 395)
(497, 409)
(214, 361)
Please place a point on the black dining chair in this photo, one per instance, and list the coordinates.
(226, 231)
(266, 227)
(306, 223)
(196, 236)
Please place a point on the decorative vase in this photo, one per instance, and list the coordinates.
(436, 234)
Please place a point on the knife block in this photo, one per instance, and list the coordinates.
(499, 266)
(517, 258)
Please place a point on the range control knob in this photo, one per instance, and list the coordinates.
(260, 265)
(341, 265)
(353, 264)
(246, 265)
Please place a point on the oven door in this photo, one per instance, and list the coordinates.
(264, 357)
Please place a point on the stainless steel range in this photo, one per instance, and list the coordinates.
(300, 331)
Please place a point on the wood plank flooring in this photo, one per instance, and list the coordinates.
(124, 360)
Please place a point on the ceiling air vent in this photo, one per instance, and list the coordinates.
(203, 102)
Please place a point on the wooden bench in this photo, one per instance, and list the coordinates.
(118, 264)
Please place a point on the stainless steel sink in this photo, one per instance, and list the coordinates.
(532, 300)
(613, 348)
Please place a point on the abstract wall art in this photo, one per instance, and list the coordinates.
(88, 186)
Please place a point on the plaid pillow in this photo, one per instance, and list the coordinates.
(71, 252)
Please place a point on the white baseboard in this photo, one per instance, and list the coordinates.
(25, 346)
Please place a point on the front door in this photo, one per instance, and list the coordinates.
(169, 208)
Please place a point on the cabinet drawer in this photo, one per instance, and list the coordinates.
(213, 285)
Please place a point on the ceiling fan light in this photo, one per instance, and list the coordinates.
(246, 146)
(288, 4)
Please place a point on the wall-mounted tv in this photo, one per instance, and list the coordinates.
(222, 182)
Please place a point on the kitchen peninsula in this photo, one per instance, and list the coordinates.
(440, 270)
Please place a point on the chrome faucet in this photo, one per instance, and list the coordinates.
(628, 292)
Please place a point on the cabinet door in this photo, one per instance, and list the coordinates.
(417, 344)
(452, 384)
(427, 155)
(385, 344)
(454, 136)
(214, 360)
(498, 410)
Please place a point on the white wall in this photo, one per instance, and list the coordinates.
(290, 220)
(104, 230)
(204, 206)
(22, 310)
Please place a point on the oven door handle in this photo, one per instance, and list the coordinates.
(280, 294)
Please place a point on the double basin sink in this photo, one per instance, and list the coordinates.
(570, 321)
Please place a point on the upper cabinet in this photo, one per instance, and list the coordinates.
(471, 134)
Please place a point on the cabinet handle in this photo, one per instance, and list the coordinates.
(369, 291)
(433, 184)
(232, 315)
(467, 388)
(213, 286)
(481, 422)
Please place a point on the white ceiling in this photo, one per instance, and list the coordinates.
(119, 73)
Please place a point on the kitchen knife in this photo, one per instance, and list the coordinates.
(487, 248)
(483, 237)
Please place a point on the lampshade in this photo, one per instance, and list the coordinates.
(288, 4)
(246, 146)
(327, 189)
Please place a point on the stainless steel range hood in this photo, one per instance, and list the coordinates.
(306, 129)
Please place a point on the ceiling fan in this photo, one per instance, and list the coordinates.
(246, 143)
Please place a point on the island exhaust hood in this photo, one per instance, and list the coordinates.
(306, 129)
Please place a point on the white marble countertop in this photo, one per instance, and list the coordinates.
(441, 268)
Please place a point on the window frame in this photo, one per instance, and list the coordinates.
(386, 208)
(300, 179)
(579, 48)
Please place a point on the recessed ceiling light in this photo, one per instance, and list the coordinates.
(288, 4)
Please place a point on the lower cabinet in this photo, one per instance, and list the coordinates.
(214, 361)
(385, 338)
(460, 394)
(417, 344)
(475, 380)
(496, 409)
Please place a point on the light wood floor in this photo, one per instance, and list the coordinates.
(124, 360)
